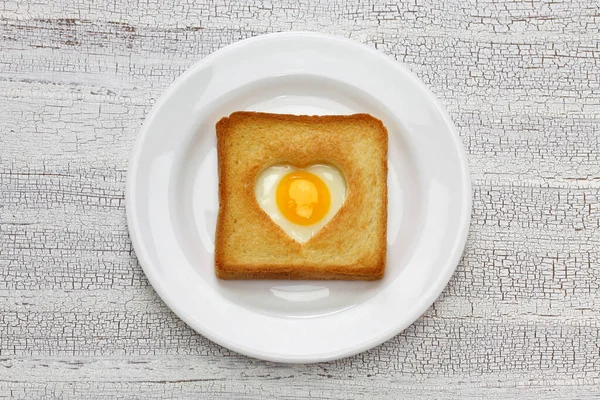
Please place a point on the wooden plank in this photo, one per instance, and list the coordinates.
(519, 318)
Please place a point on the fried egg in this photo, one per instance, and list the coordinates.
(301, 201)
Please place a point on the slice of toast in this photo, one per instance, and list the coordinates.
(352, 246)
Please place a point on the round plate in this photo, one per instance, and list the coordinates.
(172, 201)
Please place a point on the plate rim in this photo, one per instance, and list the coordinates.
(145, 260)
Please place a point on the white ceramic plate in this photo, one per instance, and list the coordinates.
(172, 198)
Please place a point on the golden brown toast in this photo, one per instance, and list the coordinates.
(352, 246)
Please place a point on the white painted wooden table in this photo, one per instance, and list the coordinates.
(521, 316)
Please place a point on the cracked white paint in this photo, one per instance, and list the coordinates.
(520, 317)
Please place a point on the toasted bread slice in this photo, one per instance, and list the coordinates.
(352, 246)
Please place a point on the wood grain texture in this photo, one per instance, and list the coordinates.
(521, 315)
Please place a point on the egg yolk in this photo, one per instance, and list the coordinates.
(303, 198)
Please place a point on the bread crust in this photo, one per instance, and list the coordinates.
(352, 246)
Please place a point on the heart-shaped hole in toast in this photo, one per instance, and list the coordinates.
(301, 201)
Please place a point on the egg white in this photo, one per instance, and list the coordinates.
(266, 189)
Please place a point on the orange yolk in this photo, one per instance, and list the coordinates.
(303, 198)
